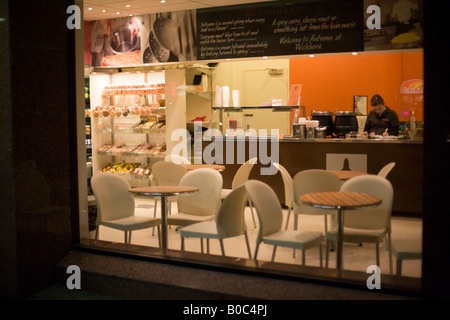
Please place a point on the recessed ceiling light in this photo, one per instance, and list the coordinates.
(128, 5)
(354, 53)
(90, 9)
(265, 57)
(163, 1)
(311, 56)
(117, 12)
(103, 10)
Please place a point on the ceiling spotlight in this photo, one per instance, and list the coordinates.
(90, 9)
(354, 53)
(128, 5)
(117, 12)
(103, 10)
(311, 56)
(163, 1)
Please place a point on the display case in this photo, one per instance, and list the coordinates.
(128, 123)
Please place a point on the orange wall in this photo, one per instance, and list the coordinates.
(329, 83)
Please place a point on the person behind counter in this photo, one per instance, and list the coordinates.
(381, 120)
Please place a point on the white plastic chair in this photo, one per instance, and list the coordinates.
(229, 222)
(406, 249)
(202, 205)
(309, 181)
(270, 217)
(116, 206)
(386, 169)
(368, 225)
(166, 173)
(239, 179)
(288, 184)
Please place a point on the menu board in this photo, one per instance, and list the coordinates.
(280, 29)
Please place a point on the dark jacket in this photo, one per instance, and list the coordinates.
(379, 124)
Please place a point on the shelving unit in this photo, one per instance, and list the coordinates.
(128, 123)
(240, 109)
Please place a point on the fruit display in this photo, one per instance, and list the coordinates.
(123, 167)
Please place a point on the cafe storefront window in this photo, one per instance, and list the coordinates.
(150, 97)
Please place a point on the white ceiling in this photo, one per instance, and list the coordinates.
(142, 7)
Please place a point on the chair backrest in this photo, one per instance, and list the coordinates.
(313, 180)
(370, 218)
(206, 201)
(288, 185)
(166, 173)
(114, 201)
(176, 159)
(230, 218)
(267, 206)
(243, 173)
(386, 169)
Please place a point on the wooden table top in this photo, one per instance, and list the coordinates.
(347, 174)
(217, 167)
(332, 200)
(163, 190)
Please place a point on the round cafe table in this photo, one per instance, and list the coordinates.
(217, 167)
(340, 201)
(163, 192)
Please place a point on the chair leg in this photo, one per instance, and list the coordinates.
(303, 256)
(287, 218)
(253, 213)
(256, 251)
(96, 232)
(182, 243)
(154, 215)
(201, 244)
(248, 244)
(159, 236)
(129, 237)
(126, 237)
(327, 252)
(207, 246)
(390, 253)
(320, 254)
(274, 252)
(399, 267)
(221, 247)
(295, 221)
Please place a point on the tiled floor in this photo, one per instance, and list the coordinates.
(355, 257)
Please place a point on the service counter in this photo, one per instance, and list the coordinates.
(302, 154)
